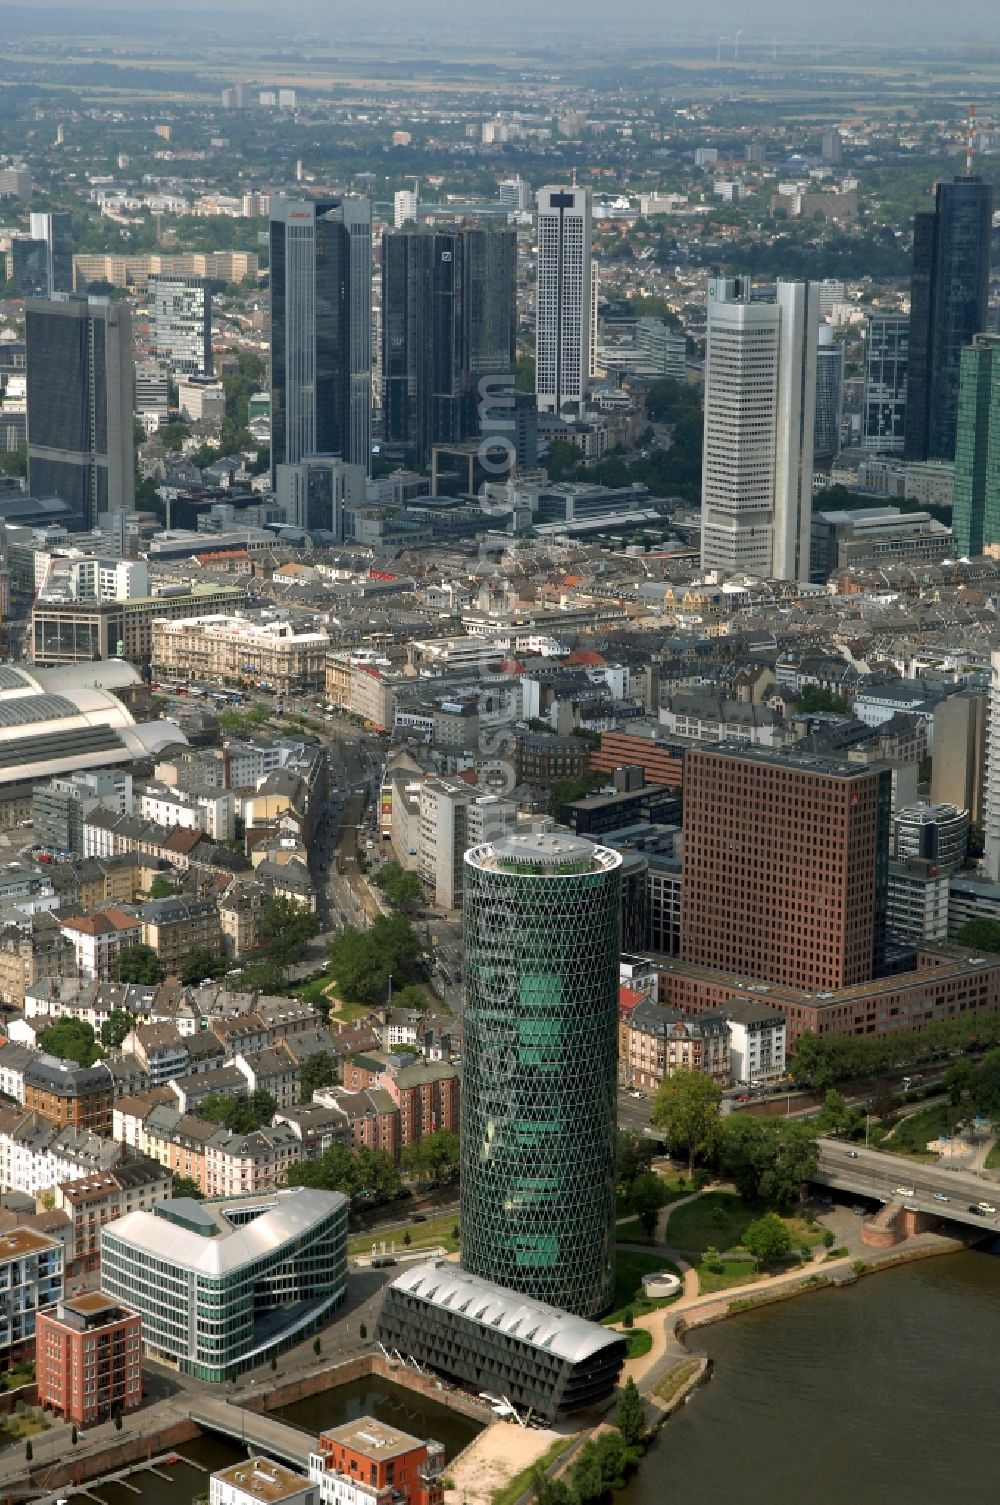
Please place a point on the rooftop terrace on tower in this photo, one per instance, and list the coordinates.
(543, 854)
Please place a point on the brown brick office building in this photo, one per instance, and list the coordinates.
(785, 866)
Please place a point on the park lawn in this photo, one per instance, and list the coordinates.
(639, 1342)
(735, 1272)
(992, 1162)
(630, 1267)
(911, 1134)
(719, 1219)
(675, 1378)
(435, 1232)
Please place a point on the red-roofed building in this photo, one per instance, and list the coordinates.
(98, 939)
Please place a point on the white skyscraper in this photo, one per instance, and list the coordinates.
(991, 800)
(406, 206)
(563, 294)
(760, 402)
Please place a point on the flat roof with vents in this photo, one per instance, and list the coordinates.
(371, 1437)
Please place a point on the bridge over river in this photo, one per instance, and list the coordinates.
(936, 1189)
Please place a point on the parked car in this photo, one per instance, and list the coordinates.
(903, 1191)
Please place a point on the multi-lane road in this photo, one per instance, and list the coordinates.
(938, 1189)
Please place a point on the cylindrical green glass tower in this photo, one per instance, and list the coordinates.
(539, 1072)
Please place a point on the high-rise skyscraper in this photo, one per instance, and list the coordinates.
(991, 793)
(563, 298)
(539, 1067)
(313, 493)
(180, 321)
(80, 396)
(829, 395)
(785, 866)
(760, 402)
(976, 511)
(320, 329)
(948, 294)
(29, 267)
(406, 206)
(56, 230)
(449, 319)
(887, 344)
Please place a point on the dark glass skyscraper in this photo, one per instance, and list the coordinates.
(948, 295)
(80, 398)
(448, 320)
(539, 1070)
(320, 329)
(56, 230)
(29, 267)
(976, 512)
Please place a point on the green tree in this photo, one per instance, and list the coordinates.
(633, 1154)
(767, 1239)
(317, 1071)
(647, 1197)
(958, 1080)
(162, 888)
(983, 934)
(114, 1029)
(814, 698)
(363, 961)
(241, 1115)
(201, 963)
(138, 964)
(833, 1114)
(795, 1159)
(401, 887)
(686, 1108)
(185, 1186)
(546, 1491)
(360, 1174)
(630, 1419)
(285, 927)
(984, 1085)
(71, 1040)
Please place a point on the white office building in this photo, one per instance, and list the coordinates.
(564, 336)
(406, 206)
(991, 801)
(760, 403)
(180, 322)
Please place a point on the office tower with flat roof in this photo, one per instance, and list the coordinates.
(29, 267)
(180, 321)
(80, 393)
(887, 345)
(314, 493)
(991, 781)
(976, 508)
(760, 403)
(785, 866)
(320, 329)
(55, 228)
(829, 395)
(948, 297)
(449, 321)
(406, 206)
(539, 1067)
(563, 297)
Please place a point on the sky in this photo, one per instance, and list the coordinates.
(846, 21)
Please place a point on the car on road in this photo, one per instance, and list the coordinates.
(418, 1217)
(903, 1191)
(977, 1210)
(852, 1154)
(939, 1196)
(987, 1207)
(383, 1261)
(635, 1094)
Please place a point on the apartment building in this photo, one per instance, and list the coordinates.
(176, 927)
(88, 1359)
(656, 1042)
(99, 939)
(66, 1094)
(31, 1277)
(92, 1201)
(235, 649)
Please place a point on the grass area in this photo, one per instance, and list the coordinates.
(13, 1379)
(911, 1134)
(719, 1219)
(632, 1232)
(630, 1267)
(436, 1231)
(729, 1273)
(675, 1378)
(639, 1342)
(319, 991)
(519, 1485)
(992, 1161)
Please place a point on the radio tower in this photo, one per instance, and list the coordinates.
(968, 144)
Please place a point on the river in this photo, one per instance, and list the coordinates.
(883, 1393)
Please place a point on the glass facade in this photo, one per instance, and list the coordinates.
(320, 272)
(216, 1325)
(887, 343)
(976, 513)
(539, 1110)
(948, 300)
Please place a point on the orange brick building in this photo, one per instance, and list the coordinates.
(68, 1094)
(366, 1462)
(661, 761)
(88, 1360)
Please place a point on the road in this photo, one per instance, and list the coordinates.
(937, 1188)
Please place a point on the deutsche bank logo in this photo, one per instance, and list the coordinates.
(445, 255)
